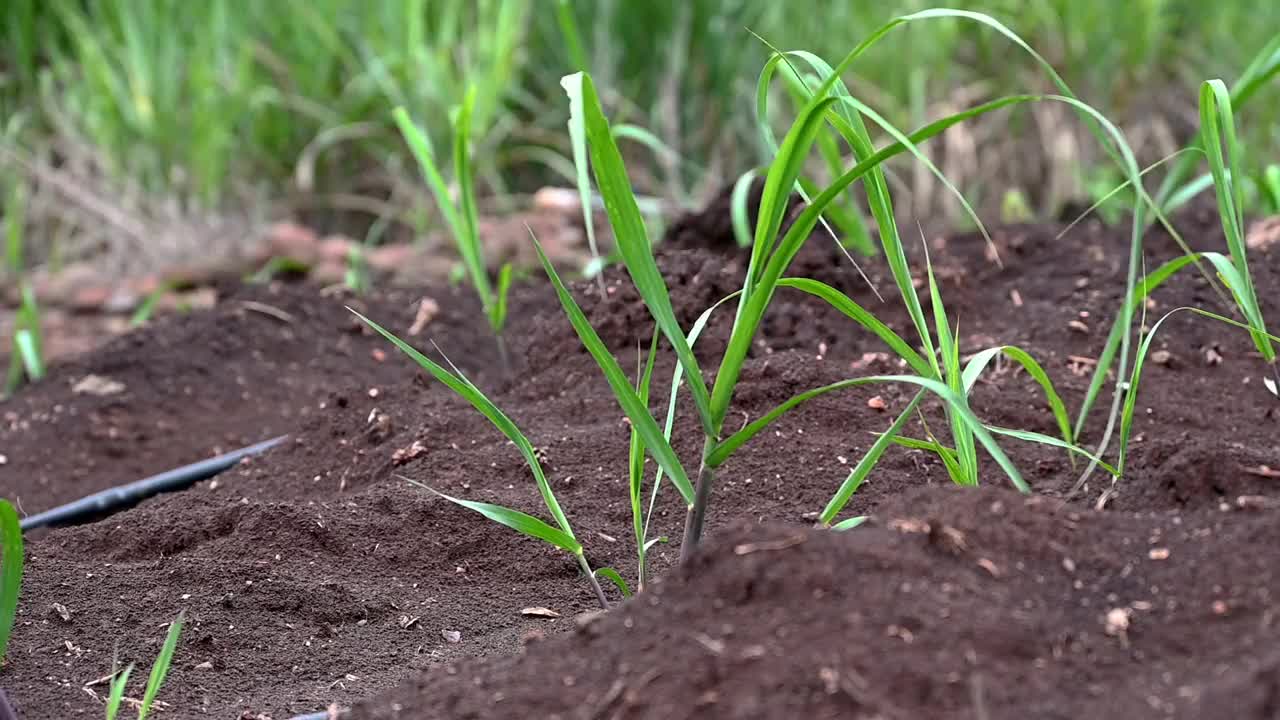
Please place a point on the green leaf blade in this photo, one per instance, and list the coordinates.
(521, 522)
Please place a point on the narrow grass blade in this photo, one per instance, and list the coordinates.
(582, 167)
(521, 522)
(569, 32)
(738, 208)
(637, 412)
(25, 343)
(948, 346)
(850, 523)
(860, 471)
(28, 339)
(465, 389)
(160, 670)
(148, 306)
(614, 577)
(1035, 437)
(469, 242)
(1148, 285)
(11, 559)
(116, 695)
(498, 319)
(677, 376)
(978, 363)
(420, 145)
(632, 238)
(955, 402)
(858, 314)
(1218, 127)
(636, 455)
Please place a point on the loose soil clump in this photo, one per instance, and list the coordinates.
(315, 575)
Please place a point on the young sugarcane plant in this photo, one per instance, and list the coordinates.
(155, 681)
(1219, 130)
(461, 216)
(560, 535)
(712, 405)
(771, 255)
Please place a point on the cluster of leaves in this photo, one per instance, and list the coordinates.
(827, 104)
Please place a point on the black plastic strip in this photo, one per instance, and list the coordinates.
(122, 496)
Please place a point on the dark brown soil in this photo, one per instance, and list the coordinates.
(316, 575)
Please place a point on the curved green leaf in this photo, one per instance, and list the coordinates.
(1050, 440)
(630, 235)
(614, 577)
(954, 400)
(11, 558)
(858, 314)
(521, 522)
(636, 411)
(866, 463)
(738, 208)
(978, 363)
(850, 523)
(160, 670)
(465, 389)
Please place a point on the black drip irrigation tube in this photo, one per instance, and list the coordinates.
(118, 498)
(121, 497)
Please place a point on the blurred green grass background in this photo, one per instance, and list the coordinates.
(115, 110)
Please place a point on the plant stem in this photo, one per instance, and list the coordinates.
(503, 357)
(640, 574)
(591, 577)
(698, 511)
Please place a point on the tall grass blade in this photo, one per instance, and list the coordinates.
(11, 558)
(160, 670)
(116, 694)
(860, 471)
(1218, 127)
(953, 400)
(632, 238)
(465, 389)
(521, 522)
(636, 411)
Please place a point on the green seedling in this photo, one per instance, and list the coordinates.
(461, 216)
(148, 307)
(27, 359)
(356, 276)
(560, 535)
(155, 681)
(11, 555)
(277, 266)
(1270, 184)
(1219, 143)
(1217, 126)
(938, 369)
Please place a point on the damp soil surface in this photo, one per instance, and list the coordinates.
(316, 575)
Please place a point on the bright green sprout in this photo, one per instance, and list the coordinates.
(461, 216)
(155, 680)
(11, 555)
(560, 535)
